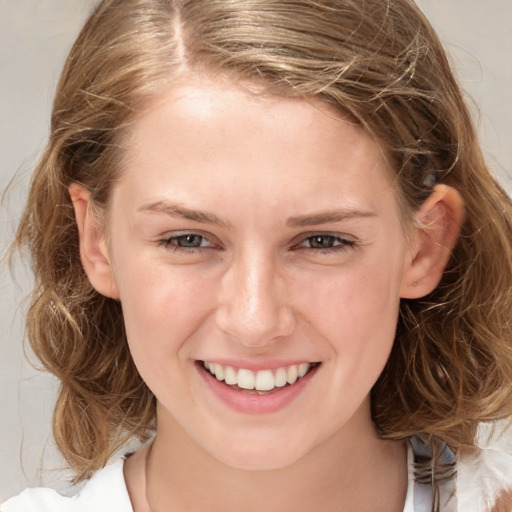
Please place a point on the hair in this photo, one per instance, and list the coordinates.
(380, 62)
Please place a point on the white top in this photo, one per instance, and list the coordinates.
(104, 492)
(480, 482)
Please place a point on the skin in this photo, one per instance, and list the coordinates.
(267, 175)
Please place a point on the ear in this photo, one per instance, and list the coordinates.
(93, 246)
(436, 230)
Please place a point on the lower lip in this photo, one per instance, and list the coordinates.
(251, 402)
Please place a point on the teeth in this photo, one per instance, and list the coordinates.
(219, 371)
(302, 370)
(262, 380)
(291, 375)
(230, 376)
(280, 378)
(245, 379)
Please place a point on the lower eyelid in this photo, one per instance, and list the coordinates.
(338, 247)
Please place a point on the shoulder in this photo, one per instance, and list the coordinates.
(104, 492)
(480, 481)
(484, 481)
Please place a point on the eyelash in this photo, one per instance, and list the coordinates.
(171, 242)
(340, 244)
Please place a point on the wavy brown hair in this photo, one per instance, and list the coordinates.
(378, 61)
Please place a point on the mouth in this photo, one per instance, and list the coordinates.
(259, 382)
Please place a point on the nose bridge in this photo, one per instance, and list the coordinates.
(253, 307)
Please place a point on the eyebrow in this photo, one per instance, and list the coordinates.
(328, 216)
(176, 210)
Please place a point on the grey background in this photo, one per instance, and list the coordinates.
(34, 38)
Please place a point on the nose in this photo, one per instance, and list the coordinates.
(252, 307)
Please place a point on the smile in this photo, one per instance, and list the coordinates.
(261, 380)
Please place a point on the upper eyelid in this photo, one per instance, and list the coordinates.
(185, 232)
(340, 236)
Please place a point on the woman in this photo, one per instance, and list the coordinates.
(259, 232)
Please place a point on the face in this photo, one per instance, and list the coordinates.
(263, 237)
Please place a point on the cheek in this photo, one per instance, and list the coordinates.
(163, 311)
(355, 311)
(355, 315)
(161, 308)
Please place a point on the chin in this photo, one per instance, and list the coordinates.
(258, 456)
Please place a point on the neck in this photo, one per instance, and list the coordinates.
(339, 475)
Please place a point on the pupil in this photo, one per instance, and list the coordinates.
(190, 241)
(321, 242)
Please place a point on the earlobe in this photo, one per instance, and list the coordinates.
(93, 247)
(436, 232)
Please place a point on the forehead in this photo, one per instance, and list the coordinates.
(218, 104)
(215, 134)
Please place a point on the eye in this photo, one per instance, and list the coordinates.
(320, 241)
(186, 241)
(326, 241)
(190, 240)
